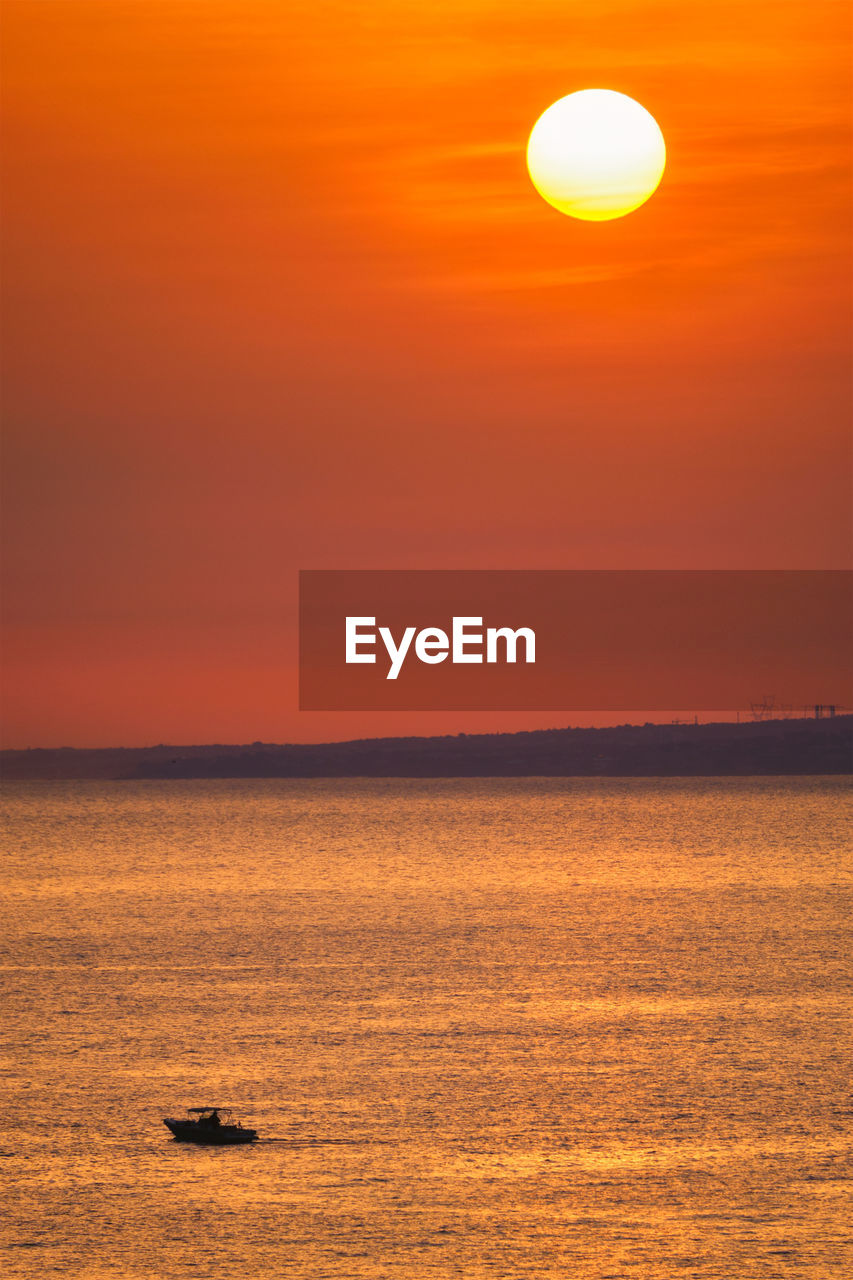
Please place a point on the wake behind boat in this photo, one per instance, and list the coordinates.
(208, 1128)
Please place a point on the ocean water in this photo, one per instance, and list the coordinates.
(529, 1027)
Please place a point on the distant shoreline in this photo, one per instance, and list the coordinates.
(770, 747)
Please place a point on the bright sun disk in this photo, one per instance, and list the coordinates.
(596, 155)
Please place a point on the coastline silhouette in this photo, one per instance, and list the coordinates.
(806, 746)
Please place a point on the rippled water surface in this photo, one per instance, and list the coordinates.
(580, 1029)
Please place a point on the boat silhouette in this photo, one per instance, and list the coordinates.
(205, 1125)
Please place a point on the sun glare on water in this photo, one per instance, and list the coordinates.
(596, 155)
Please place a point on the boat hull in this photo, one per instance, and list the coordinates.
(223, 1135)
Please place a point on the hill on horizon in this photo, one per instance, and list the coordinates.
(650, 750)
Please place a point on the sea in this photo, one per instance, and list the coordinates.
(574, 1028)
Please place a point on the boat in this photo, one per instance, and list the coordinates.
(206, 1126)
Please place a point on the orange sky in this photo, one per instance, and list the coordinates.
(279, 295)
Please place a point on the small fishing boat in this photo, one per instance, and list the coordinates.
(206, 1126)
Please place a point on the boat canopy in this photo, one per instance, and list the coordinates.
(199, 1111)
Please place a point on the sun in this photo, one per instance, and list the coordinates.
(596, 155)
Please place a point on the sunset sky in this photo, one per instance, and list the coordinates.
(279, 294)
